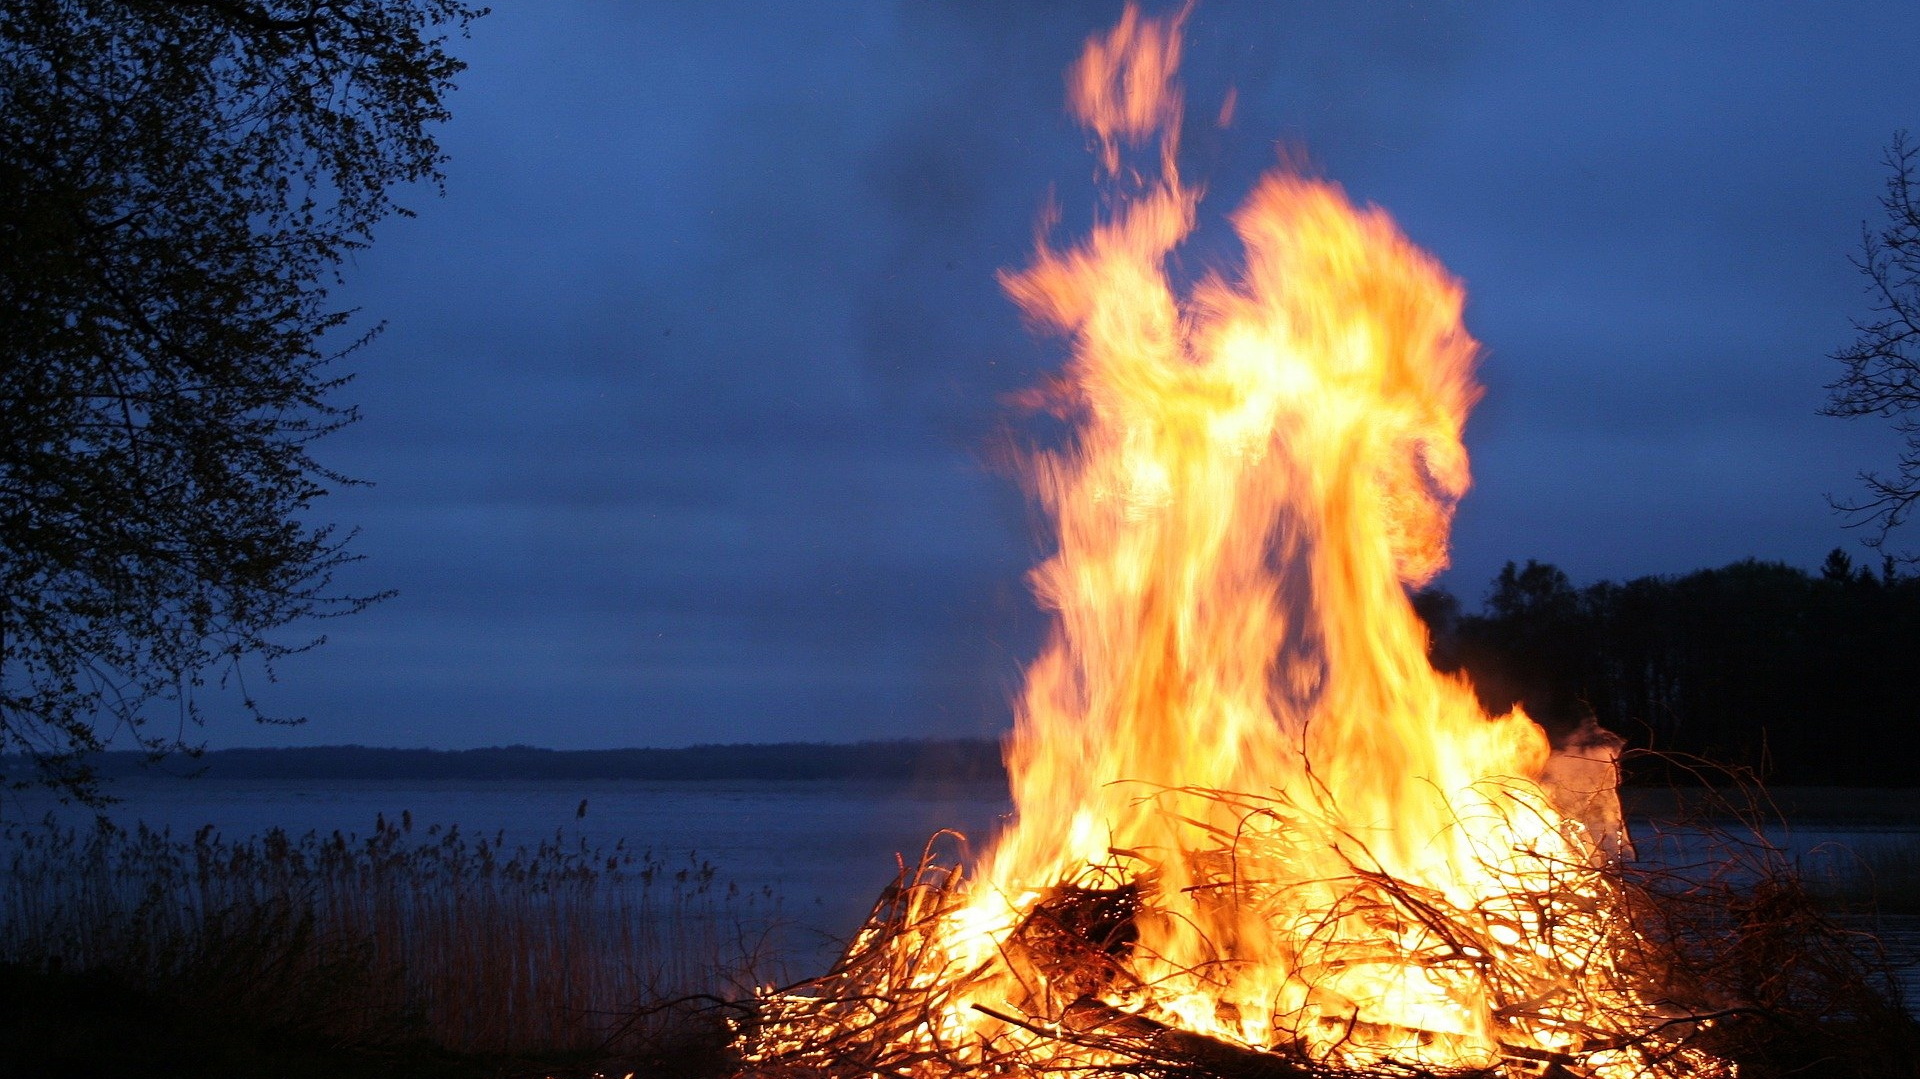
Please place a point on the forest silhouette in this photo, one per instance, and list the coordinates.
(1800, 678)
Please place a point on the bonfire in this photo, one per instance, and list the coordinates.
(1256, 832)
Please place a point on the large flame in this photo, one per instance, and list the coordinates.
(1305, 837)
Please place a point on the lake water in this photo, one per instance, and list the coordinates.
(824, 849)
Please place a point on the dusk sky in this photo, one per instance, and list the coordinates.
(684, 427)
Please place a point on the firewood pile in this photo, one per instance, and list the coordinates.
(1733, 970)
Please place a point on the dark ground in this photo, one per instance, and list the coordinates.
(56, 1025)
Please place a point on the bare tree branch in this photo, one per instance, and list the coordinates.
(1883, 363)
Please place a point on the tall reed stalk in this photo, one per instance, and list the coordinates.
(464, 941)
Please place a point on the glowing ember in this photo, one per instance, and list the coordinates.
(1255, 828)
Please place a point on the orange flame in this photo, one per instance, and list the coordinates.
(1328, 845)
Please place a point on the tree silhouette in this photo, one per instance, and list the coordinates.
(1883, 364)
(1803, 677)
(179, 182)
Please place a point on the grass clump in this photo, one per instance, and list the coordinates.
(1873, 875)
(454, 954)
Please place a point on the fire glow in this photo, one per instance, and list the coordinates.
(1254, 826)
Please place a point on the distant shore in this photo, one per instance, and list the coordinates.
(951, 760)
(903, 761)
(959, 760)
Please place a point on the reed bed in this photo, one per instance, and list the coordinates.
(1874, 874)
(400, 935)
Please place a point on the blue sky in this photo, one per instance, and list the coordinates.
(684, 423)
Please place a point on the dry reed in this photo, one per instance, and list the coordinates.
(435, 935)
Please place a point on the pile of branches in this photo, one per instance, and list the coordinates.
(1807, 989)
(1735, 969)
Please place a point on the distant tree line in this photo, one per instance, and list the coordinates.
(1805, 678)
(956, 760)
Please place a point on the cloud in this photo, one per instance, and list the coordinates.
(680, 426)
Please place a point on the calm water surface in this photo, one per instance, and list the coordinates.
(824, 849)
